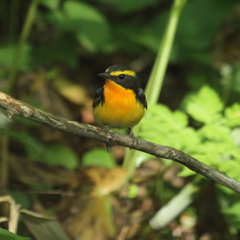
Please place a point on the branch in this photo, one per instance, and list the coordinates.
(15, 107)
(14, 213)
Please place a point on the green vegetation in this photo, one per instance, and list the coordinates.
(186, 54)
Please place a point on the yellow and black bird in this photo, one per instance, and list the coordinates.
(120, 102)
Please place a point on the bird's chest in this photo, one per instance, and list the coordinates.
(120, 109)
(117, 98)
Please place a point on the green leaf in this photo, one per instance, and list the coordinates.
(133, 191)
(6, 235)
(32, 146)
(21, 198)
(161, 125)
(216, 133)
(90, 25)
(43, 227)
(236, 136)
(189, 140)
(59, 52)
(204, 153)
(4, 120)
(193, 37)
(127, 6)
(60, 155)
(98, 157)
(223, 156)
(7, 53)
(231, 168)
(205, 106)
(232, 215)
(232, 115)
(160, 116)
(51, 4)
(186, 172)
(51, 154)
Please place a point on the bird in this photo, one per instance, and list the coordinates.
(120, 103)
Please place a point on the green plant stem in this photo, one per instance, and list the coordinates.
(155, 82)
(4, 168)
(4, 165)
(13, 20)
(22, 40)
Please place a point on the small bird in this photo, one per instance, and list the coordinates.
(121, 102)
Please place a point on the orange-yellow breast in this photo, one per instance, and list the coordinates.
(120, 108)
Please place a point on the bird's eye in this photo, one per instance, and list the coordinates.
(121, 76)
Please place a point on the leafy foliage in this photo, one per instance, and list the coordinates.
(69, 43)
(51, 154)
(213, 143)
(205, 107)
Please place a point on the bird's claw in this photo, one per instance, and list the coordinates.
(135, 139)
(107, 137)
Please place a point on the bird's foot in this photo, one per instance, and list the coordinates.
(107, 137)
(135, 139)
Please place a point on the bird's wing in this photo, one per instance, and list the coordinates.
(141, 97)
(98, 97)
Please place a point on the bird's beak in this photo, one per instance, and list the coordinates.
(103, 75)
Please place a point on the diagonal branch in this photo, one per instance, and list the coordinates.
(15, 107)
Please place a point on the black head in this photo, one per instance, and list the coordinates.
(123, 76)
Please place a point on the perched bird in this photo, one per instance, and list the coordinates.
(120, 102)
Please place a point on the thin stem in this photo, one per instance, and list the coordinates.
(154, 86)
(13, 20)
(155, 82)
(23, 38)
(4, 168)
(4, 165)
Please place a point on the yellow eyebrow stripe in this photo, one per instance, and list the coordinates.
(126, 72)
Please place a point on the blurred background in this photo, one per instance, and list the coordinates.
(51, 52)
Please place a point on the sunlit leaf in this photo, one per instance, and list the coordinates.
(205, 106)
(163, 126)
(98, 157)
(162, 117)
(232, 115)
(133, 191)
(232, 215)
(217, 133)
(60, 155)
(235, 133)
(230, 168)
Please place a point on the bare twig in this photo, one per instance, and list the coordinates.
(15, 107)
(14, 213)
